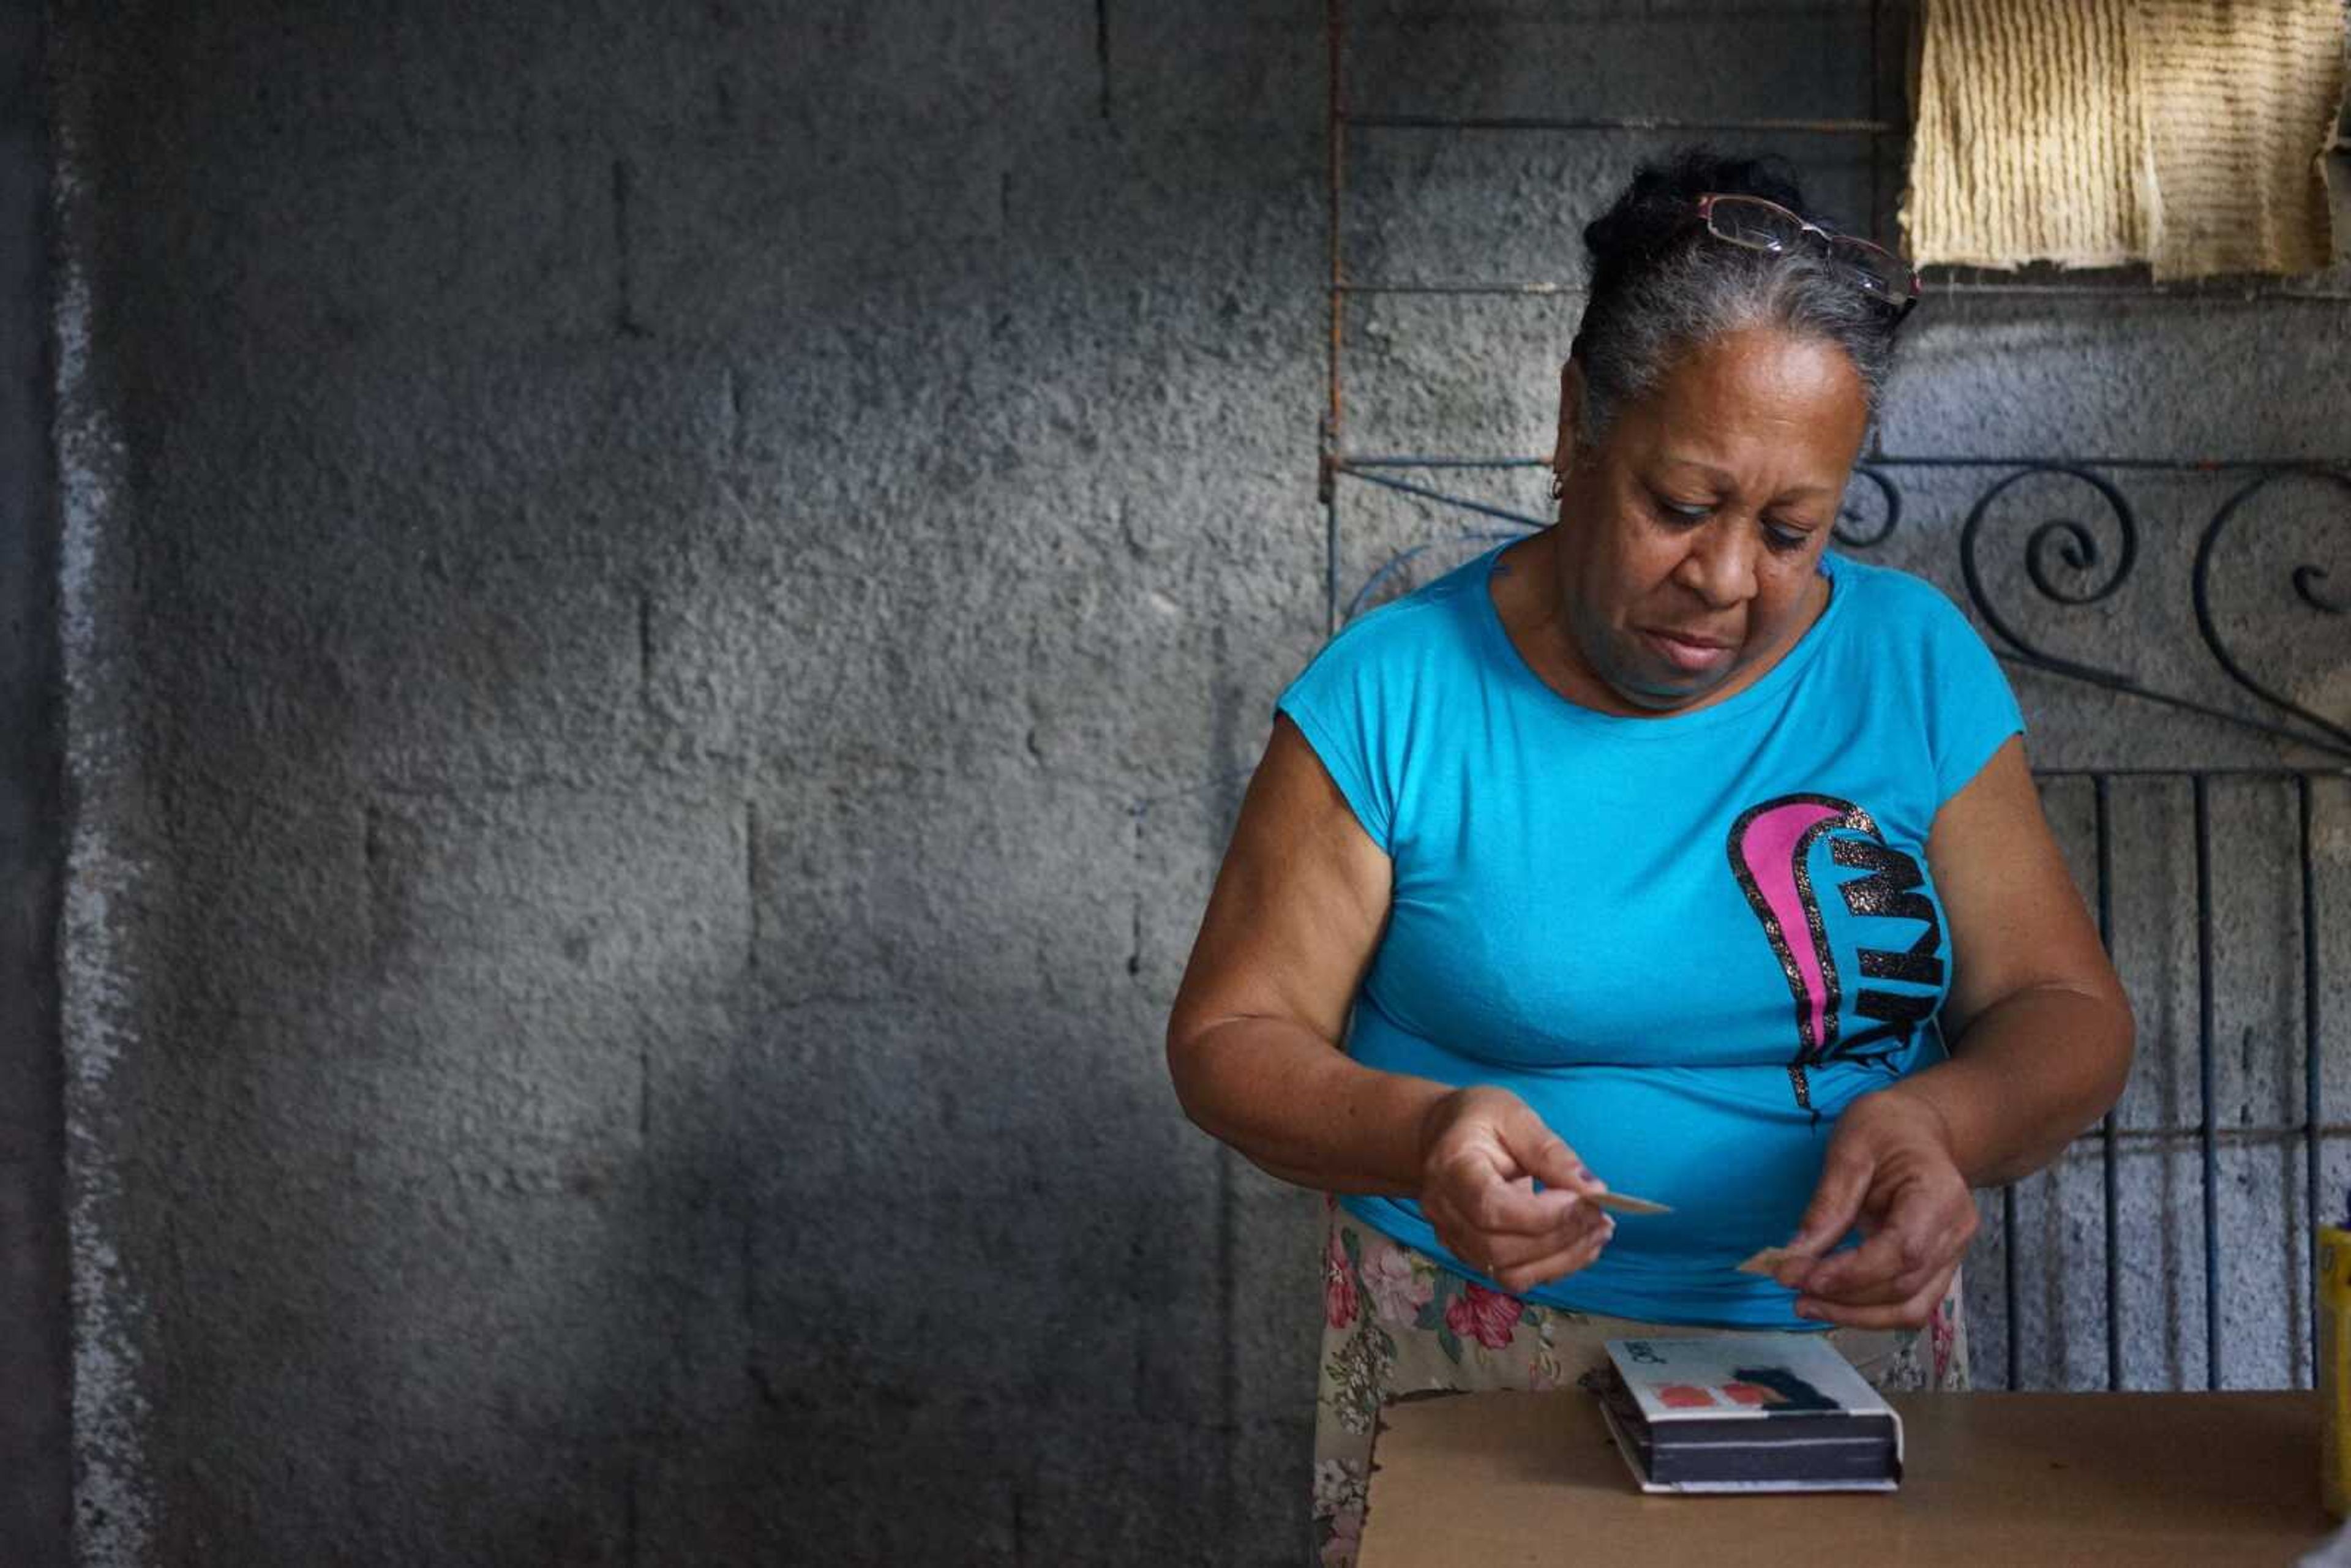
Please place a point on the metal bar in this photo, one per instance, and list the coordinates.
(1396, 563)
(1334, 413)
(2108, 1147)
(2078, 290)
(2140, 292)
(1330, 563)
(1463, 502)
(1877, 116)
(2065, 670)
(48, 402)
(1377, 461)
(2208, 1124)
(1539, 288)
(1622, 122)
(2273, 773)
(2008, 1275)
(2239, 1138)
(2160, 464)
(2310, 1074)
(2087, 676)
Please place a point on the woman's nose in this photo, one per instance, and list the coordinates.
(1720, 565)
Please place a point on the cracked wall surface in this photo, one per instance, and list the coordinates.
(665, 611)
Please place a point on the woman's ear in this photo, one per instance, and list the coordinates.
(1571, 411)
(1571, 420)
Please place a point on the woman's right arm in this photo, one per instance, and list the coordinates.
(1253, 1044)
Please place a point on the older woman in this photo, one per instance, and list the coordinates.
(1663, 849)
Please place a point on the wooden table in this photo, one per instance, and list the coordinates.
(2012, 1481)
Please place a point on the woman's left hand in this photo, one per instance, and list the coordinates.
(1890, 1171)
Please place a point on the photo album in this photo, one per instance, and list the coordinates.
(1747, 1412)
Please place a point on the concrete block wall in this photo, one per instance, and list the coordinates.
(639, 566)
(664, 612)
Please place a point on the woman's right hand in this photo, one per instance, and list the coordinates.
(1482, 1151)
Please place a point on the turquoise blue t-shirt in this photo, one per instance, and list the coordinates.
(1687, 942)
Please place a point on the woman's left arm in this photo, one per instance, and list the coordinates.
(2040, 1046)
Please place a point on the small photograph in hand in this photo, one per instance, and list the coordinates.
(1747, 1412)
(1767, 1261)
(1626, 1203)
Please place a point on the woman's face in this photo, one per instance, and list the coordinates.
(1690, 537)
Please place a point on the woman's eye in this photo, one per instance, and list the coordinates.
(1684, 511)
(1786, 540)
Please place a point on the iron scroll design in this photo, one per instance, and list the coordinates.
(2073, 543)
(2071, 562)
(2077, 545)
(2306, 579)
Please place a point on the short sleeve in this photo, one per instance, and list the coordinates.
(1341, 703)
(1970, 710)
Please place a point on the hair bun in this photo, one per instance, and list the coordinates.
(1653, 211)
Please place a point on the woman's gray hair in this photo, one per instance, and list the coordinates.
(1662, 286)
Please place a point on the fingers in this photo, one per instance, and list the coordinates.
(1495, 1253)
(1882, 1257)
(1918, 1224)
(1522, 1277)
(1582, 1224)
(1518, 1258)
(1889, 1267)
(1891, 1292)
(1912, 1311)
(1836, 1202)
(1885, 1291)
(1478, 1199)
(1542, 1153)
(1501, 1171)
(1505, 1196)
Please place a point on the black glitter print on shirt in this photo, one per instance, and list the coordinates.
(1769, 848)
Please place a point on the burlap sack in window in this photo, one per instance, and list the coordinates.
(2190, 134)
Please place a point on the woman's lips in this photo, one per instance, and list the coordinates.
(1689, 656)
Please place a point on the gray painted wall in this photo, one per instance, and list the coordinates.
(662, 619)
(35, 1436)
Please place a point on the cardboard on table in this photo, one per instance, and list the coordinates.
(2016, 1480)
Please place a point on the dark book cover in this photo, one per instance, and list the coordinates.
(1748, 1412)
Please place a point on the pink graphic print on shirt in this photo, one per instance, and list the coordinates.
(1771, 845)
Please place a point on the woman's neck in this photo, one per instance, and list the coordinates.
(1532, 585)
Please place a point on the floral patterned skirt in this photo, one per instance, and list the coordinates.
(1396, 1321)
